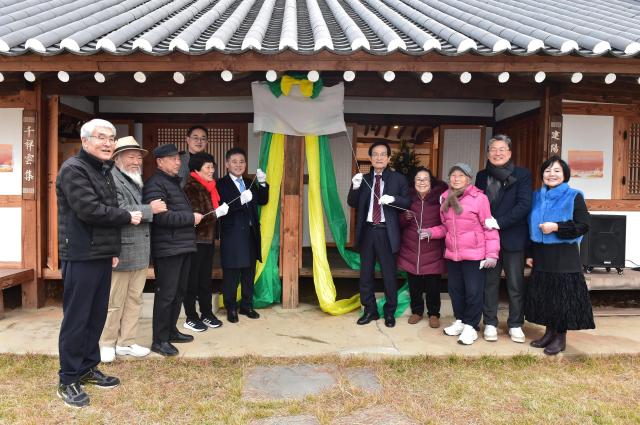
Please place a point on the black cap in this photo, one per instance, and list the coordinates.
(165, 150)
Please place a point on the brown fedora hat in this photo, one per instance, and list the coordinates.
(127, 143)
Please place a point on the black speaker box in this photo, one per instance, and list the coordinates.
(604, 244)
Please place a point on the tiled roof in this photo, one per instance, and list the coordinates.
(452, 27)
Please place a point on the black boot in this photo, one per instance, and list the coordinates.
(558, 344)
(549, 333)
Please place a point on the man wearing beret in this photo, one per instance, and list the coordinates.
(89, 223)
(173, 239)
(129, 276)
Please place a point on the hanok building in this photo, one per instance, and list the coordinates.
(560, 77)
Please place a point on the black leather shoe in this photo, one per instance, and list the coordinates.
(164, 349)
(390, 321)
(232, 316)
(250, 313)
(178, 337)
(367, 317)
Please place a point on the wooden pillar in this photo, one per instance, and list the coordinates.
(292, 191)
(551, 123)
(32, 290)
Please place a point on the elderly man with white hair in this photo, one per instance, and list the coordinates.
(89, 222)
(129, 276)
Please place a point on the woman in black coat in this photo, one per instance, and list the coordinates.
(558, 296)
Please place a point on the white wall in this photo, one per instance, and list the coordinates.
(11, 230)
(510, 108)
(590, 133)
(211, 105)
(11, 134)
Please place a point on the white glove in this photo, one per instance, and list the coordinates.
(261, 176)
(246, 196)
(386, 200)
(424, 234)
(357, 181)
(488, 263)
(491, 223)
(222, 210)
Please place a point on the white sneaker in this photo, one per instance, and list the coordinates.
(107, 354)
(490, 333)
(134, 350)
(468, 335)
(516, 334)
(455, 329)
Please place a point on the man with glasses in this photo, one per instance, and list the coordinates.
(378, 202)
(509, 191)
(196, 142)
(89, 223)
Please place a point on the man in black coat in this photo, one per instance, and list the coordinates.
(509, 191)
(378, 202)
(240, 232)
(89, 223)
(173, 239)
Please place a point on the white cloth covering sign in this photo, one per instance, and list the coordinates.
(296, 115)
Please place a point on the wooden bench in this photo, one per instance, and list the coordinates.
(12, 277)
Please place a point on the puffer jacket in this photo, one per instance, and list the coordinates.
(465, 236)
(421, 257)
(173, 231)
(89, 219)
(200, 200)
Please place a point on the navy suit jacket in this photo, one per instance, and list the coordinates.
(234, 249)
(395, 184)
(511, 209)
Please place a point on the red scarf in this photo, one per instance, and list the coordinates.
(211, 188)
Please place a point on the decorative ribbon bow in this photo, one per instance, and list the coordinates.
(287, 82)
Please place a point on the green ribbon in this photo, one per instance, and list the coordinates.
(268, 287)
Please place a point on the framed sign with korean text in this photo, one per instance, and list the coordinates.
(29, 152)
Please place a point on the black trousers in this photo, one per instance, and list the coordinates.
(172, 274)
(84, 305)
(428, 284)
(466, 289)
(513, 264)
(375, 244)
(230, 279)
(200, 286)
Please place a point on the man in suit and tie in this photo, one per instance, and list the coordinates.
(240, 232)
(378, 201)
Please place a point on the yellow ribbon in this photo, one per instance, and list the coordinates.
(322, 279)
(287, 83)
(268, 215)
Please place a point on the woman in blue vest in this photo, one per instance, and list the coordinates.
(558, 296)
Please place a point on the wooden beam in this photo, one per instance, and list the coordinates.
(618, 160)
(378, 128)
(33, 289)
(574, 108)
(292, 188)
(386, 132)
(401, 132)
(52, 175)
(322, 61)
(613, 204)
(10, 201)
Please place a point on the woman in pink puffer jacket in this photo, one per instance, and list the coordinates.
(471, 244)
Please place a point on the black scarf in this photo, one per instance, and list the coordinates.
(499, 177)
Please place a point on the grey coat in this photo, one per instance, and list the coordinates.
(135, 249)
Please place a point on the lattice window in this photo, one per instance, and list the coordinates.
(631, 178)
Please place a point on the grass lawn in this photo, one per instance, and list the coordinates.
(451, 390)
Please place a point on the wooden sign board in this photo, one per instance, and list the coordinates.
(29, 152)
